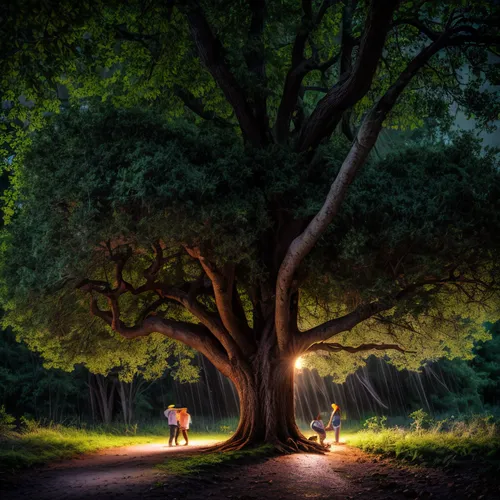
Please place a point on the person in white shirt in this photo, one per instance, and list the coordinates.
(171, 414)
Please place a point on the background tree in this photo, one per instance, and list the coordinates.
(43, 391)
(252, 275)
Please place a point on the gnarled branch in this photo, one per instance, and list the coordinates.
(350, 89)
(300, 67)
(224, 289)
(334, 347)
(212, 322)
(211, 53)
(195, 336)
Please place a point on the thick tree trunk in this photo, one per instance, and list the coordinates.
(267, 409)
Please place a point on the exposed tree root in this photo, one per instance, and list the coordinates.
(299, 445)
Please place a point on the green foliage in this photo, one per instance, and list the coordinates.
(6, 422)
(126, 179)
(29, 425)
(486, 364)
(397, 227)
(376, 423)
(183, 466)
(421, 420)
(464, 386)
(55, 54)
(475, 439)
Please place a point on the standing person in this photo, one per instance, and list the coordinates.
(319, 428)
(171, 414)
(184, 421)
(334, 423)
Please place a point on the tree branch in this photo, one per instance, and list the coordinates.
(363, 312)
(195, 104)
(212, 54)
(195, 336)
(343, 323)
(331, 347)
(255, 59)
(185, 297)
(212, 323)
(299, 68)
(350, 89)
(223, 284)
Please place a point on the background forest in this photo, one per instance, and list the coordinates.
(443, 388)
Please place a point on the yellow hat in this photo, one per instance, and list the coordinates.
(334, 406)
(171, 406)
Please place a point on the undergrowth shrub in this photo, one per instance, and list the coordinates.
(375, 424)
(6, 422)
(421, 420)
(441, 443)
(29, 424)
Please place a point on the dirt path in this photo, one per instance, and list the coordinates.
(345, 473)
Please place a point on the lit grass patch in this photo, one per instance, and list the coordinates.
(42, 445)
(431, 447)
(203, 462)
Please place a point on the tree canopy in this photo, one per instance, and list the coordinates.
(106, 192)
(260, 65)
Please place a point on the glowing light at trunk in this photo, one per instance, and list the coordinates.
(298, 363)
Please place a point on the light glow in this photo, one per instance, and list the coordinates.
(298, 363)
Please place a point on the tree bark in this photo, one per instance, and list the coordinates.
(267, 408)
(104, 393)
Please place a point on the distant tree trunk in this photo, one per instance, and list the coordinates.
(128, 393)
(91, 397)
(104, 392)
(123, 392)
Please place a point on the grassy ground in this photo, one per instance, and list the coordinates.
(44, 445)
(477, 439)
(203, 462)
(433, 446)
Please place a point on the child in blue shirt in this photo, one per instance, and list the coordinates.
(319, 428)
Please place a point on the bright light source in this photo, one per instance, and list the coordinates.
(298, 363)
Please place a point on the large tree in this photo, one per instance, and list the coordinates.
(236, 232)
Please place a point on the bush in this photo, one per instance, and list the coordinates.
(6, 422)
(29, 424)
(421, 420)
(375, 424)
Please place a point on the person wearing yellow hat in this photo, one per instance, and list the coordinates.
(171, 414)
(334, 423)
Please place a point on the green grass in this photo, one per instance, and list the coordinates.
(196, 464)
(43, 446)
(39, 445)
(434, 446)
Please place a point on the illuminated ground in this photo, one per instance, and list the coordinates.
(342, 474)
